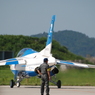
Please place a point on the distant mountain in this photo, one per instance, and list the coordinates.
(76, 42)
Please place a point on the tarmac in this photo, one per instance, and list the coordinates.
(35, 90)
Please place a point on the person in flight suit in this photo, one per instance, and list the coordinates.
(44, 71)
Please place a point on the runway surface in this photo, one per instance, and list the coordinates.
(35, 90)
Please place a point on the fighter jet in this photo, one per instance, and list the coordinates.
(28, 60)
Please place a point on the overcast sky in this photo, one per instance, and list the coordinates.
(27, 17)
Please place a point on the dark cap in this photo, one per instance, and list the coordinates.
(45, 59)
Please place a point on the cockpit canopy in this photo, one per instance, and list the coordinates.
(25, 52)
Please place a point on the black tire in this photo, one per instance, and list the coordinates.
(59, 84)
(12, 83)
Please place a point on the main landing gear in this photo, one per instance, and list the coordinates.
(58, 83)
(55, 71)
(18, 78)
(12, 83)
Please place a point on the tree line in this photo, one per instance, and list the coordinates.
(17, 42)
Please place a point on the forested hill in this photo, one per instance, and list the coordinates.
(76, 42)
(17, 42)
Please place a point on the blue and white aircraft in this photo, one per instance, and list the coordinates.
(27, 60)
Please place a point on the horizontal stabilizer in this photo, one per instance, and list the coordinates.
(62, 62)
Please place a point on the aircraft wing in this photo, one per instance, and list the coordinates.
(63, 62)
(12, 61)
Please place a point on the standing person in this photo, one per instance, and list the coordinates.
(45, 76)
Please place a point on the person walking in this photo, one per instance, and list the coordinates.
(44, 71)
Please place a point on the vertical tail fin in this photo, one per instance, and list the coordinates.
(47, 50)
(49, 39)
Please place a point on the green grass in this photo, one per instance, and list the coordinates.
(78, 77)
(6, 75)
(71, 77)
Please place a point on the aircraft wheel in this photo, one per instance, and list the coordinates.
(18, 84)
(12, 83)
(59, 84)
